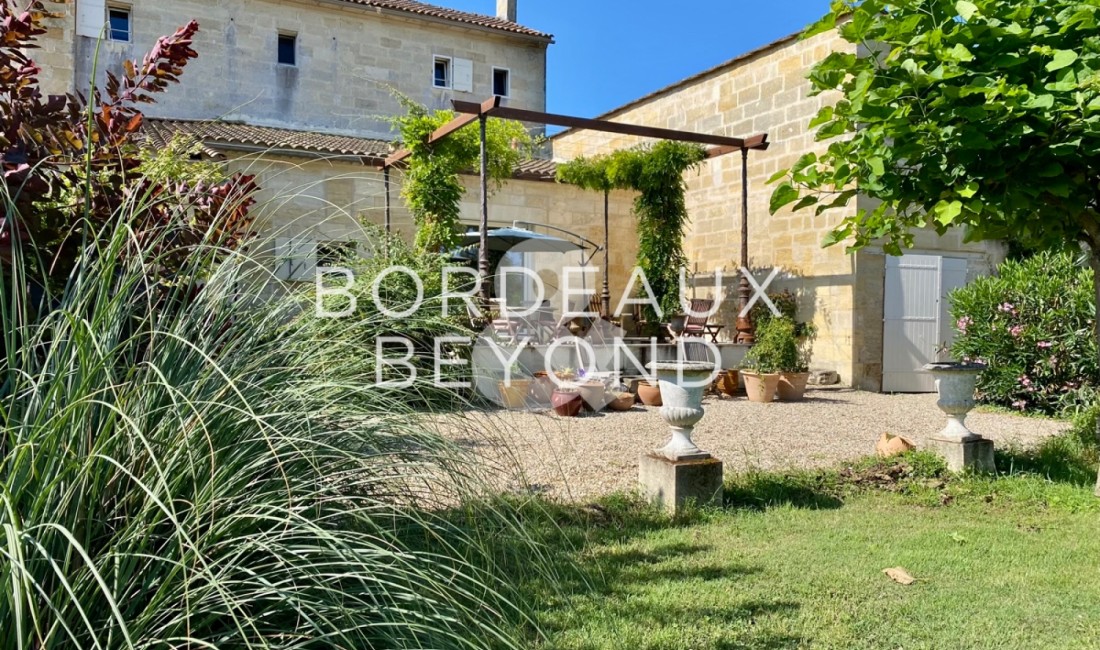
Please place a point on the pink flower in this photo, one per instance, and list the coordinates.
(1016, 330)
(1020, 404)
(1045, 344)
(1024, 380)
(963, 323)
(1007, 308)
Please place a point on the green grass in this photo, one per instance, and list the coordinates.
(796, 560)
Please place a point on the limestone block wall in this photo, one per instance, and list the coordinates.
(55, 52)
(348, 59)
(766, 91)
(329, 199)
(763, 92)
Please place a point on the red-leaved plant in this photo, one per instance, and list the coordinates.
(69, 162)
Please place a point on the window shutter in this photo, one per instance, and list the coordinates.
(297, 259)
(91, 15)
(464, 75)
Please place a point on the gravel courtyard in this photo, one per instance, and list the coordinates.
(576, 458)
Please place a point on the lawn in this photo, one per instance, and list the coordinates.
(797, 561)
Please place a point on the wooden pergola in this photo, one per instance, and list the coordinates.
(719, 145)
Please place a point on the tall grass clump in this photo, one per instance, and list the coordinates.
(183, 466)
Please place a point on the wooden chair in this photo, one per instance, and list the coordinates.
(700, 325)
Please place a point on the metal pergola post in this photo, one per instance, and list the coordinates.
(605, 296)
(745, 329)
(720, 145)
(386, 184)
(483, 248)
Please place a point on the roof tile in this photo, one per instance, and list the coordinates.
(423, 9)
(160, 132)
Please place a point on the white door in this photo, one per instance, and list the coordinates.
(915, 318)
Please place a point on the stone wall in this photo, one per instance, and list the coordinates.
(55, 52)
(328, 199)
(766, 91)
(348, 59)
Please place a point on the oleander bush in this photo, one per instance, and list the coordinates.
(1031, 323)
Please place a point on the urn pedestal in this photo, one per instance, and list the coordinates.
(960, 447)
(680, 473)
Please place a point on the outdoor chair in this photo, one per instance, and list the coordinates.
(700, 325)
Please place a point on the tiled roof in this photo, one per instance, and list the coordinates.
(212, 133)
(422, 9)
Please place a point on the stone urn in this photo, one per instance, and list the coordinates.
(682, 405)
(955, 382)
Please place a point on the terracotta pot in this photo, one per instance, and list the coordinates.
(792, 385)
(515, 395)
(622, 402)
(542, 387)
(760, 387)
(650, 393)
(566, 404)
(728, 383)
(592, 392)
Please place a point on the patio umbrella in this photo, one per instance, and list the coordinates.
(502, 240)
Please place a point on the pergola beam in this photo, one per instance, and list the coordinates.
(447, 129)
(607, 126)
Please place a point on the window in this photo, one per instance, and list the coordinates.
(334, 253)
(288, 49)
(442, 75)
(502, 82)
(118, 24)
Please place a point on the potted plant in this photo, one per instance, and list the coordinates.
(789, 359)
(761, 365)
(567, 401)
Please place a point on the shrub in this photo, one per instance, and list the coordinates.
(357, 335)
(71, 163)
(213, 476)
(1032, 324)
(775, 349)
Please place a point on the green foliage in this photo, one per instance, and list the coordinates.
(176, 163)
(656, 173)
(1032, 324)
(776, 348)
(71, 162)
(983, 114)
(431, 188)
(224, 475)
(587, 173)
(1069, 457)
(357, 335)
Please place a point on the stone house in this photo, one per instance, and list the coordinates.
(878, 318)
(298, 91)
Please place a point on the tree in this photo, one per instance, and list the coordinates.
(432, 188)
(979, 114)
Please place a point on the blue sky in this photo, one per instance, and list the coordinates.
(608, 52)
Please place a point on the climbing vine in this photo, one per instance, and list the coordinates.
(656, 173)
(432, 189)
